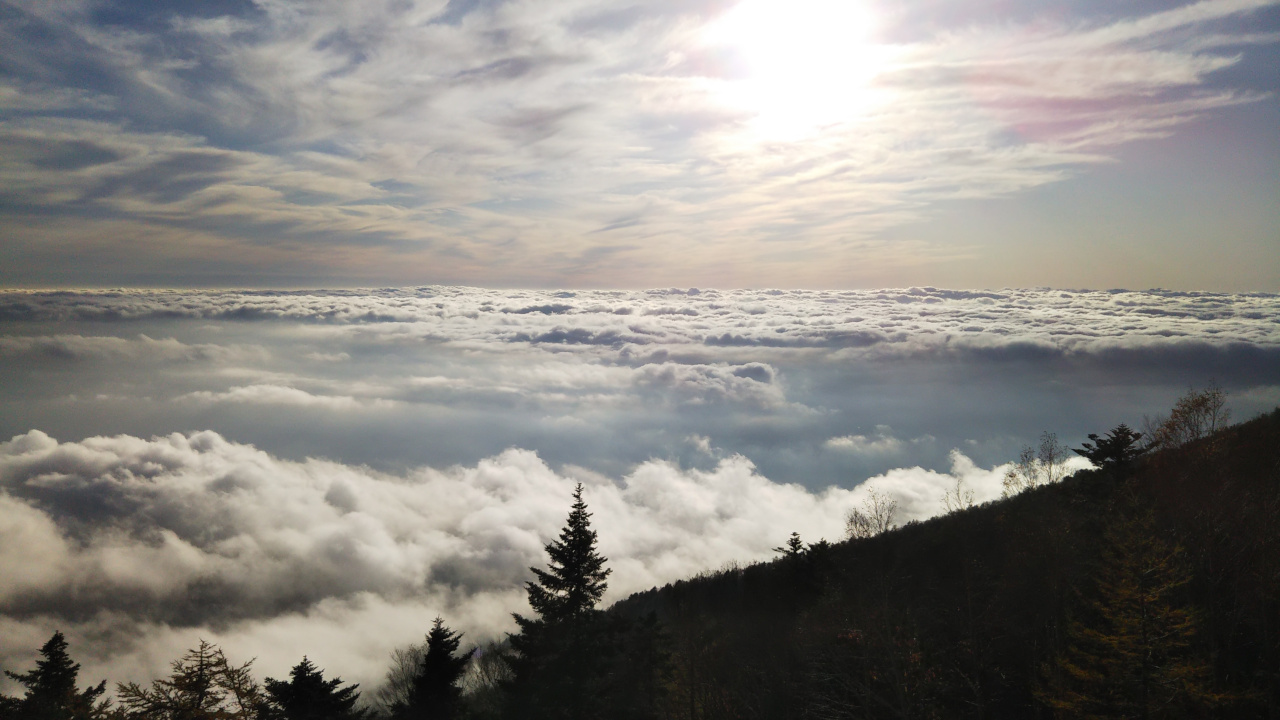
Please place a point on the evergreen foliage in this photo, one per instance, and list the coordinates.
(984, 613)
(575, 577)
(1116, 451)
(51, 692)
(561, 658)
(306, 695)
(434, 692)
(1050, 603)
(794, 547)
(1133, 651)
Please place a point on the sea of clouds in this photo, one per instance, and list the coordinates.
(325, 472)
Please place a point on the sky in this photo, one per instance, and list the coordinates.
(312, 315)
(611, 144)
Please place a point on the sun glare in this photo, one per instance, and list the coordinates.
(806, 63)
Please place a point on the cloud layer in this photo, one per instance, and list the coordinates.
(323, 472)
(799, 381)
(147, 541)
(715, 321)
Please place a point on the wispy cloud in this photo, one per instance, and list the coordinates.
(555, 143)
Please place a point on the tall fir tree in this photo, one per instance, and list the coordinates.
(306, 695)
(434, 693)
(575, 578)
(562, 657)
(51, 692)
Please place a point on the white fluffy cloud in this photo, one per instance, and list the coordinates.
(717, 323)
(798, 381)
(155, 542)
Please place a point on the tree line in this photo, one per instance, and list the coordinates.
(568, 660)
(1148, 587)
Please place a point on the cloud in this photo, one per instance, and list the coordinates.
(96, 348)
(880, 443)
(717, 324)
(454, 437)
(193, 532)
(143, 545)
(511, 143)
(920, 492)
(283, 395)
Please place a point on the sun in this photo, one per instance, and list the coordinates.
(805, 64)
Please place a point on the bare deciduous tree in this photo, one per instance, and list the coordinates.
(874, 517)
(397, 688)
(958, 498)
(203, 685)
(1037, 466)
(485, 678)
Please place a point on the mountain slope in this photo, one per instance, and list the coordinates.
(1014, 609)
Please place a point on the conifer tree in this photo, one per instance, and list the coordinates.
(434, 693)
(1132, 652)
(308, 696)
(51, 688)
(1115, 451)
(794, 547)
(575, 578)
(561, 657)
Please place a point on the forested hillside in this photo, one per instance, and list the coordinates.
(1148, 589)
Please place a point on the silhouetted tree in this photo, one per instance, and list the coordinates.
(485, 682)
(1044, 465)
(434, 691)
(874, 517)
(51, 692)
(203, 685)
(641, 669)
(398, 684)
(561, 658)
(308, 696)
(958, 498)
(794, 547)
(575, 578)
(1115, 451)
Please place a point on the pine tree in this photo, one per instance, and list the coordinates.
(794, 547)
(575, 579)
(1132, 652)
(1115, 451)
(51, 688)
(434, 693)
(562, 657)
(308, 696)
